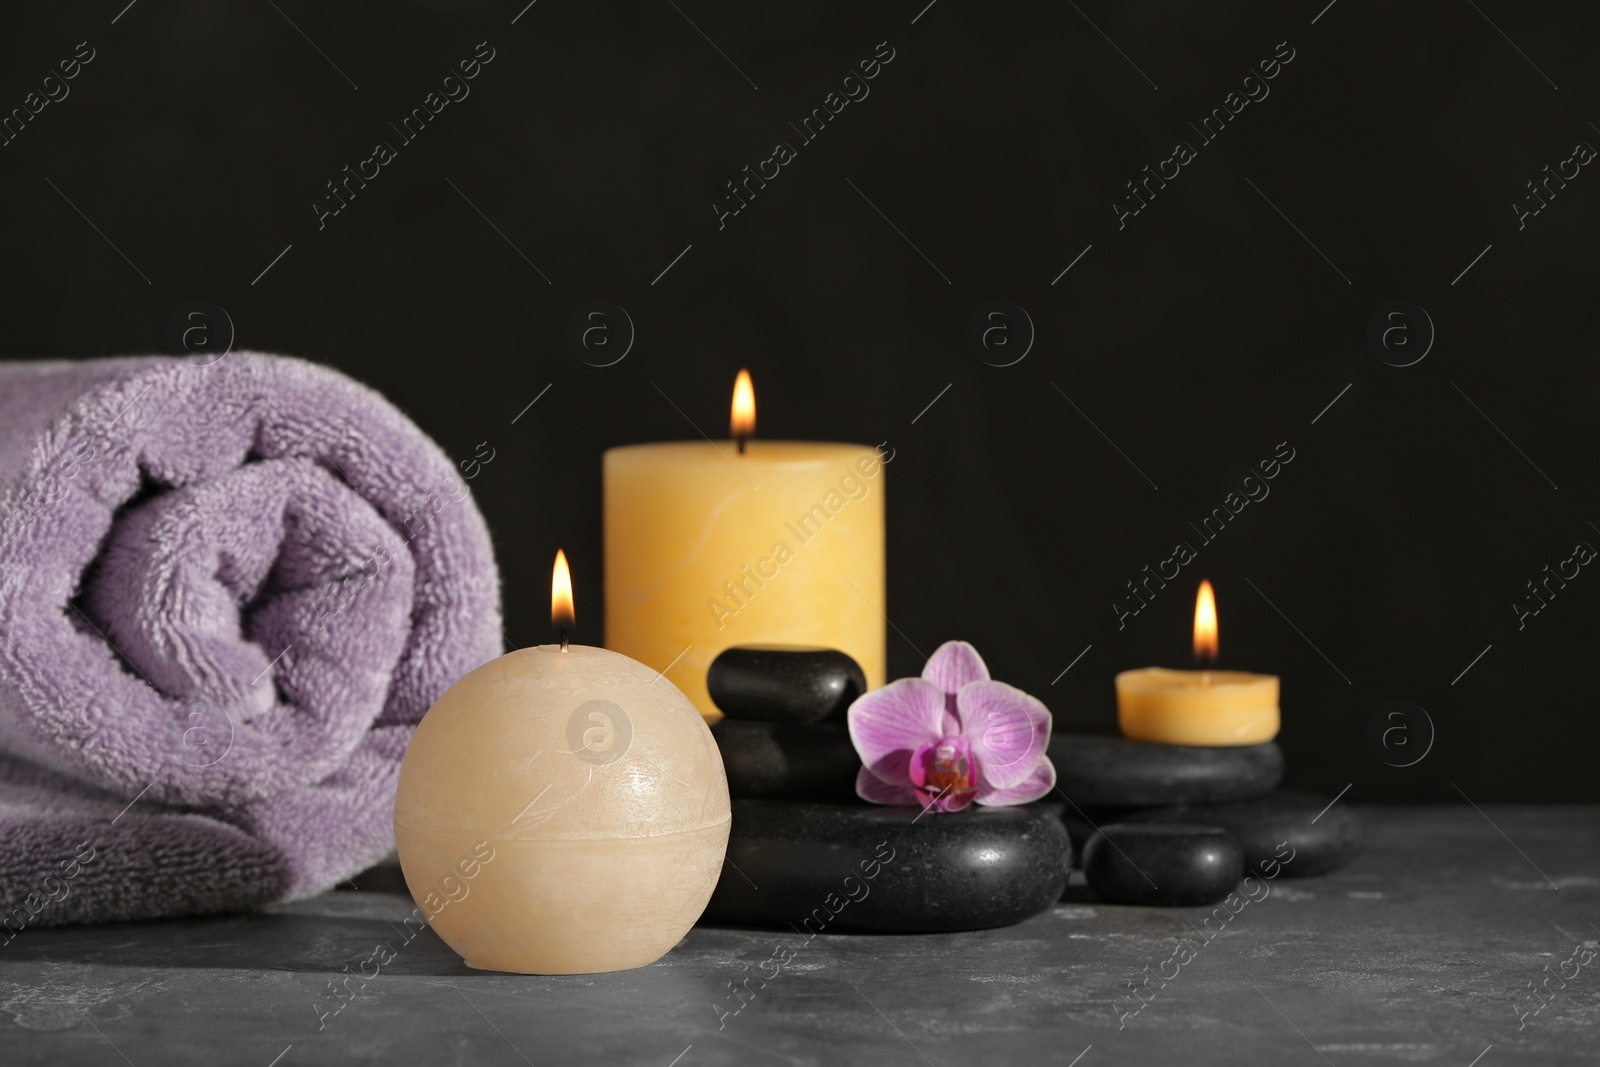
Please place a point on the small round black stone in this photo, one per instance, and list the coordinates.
(1110, 772)
(1167, 864)
(784, 683)
(787, 760)
(1278, 827)
(813, 868)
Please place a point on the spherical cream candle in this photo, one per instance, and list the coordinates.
(1203, 707)
(562, 810)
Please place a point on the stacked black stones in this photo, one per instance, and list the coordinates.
(806, 853)
(784, 737)
(1181, 825)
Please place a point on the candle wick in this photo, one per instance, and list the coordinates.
(563, 639)
(740, 440)
(1205, 676)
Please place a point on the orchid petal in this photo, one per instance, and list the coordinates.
(954, 664)
(875, 790)
(1039, 781)
(887, 725)
(1008, 729)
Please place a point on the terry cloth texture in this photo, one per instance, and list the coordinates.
(228, 593)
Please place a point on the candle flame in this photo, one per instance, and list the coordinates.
(743, 420)
(1205, 624)
(562, 613)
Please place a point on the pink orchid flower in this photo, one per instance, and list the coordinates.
(951, 737)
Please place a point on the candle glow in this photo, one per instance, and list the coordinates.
(742, 421)
(562, 613)
(1206, 641)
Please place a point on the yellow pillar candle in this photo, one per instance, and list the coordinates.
(713, 544)
(1201, 707)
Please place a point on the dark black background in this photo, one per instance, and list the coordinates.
(1196, 338)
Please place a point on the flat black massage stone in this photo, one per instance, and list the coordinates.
(1163, 864)
(1114, 772)
(1301, 831)
(863, 867)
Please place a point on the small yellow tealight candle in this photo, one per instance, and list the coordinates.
(1201, 707)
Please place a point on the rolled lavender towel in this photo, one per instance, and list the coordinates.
(227, 595)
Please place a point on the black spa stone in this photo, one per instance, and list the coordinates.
(816, 868)
(1110, 772)
(784, 683)
(1167, 864)
(1277, 827)
(795, 761)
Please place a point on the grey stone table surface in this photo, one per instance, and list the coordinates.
(1424, 950)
